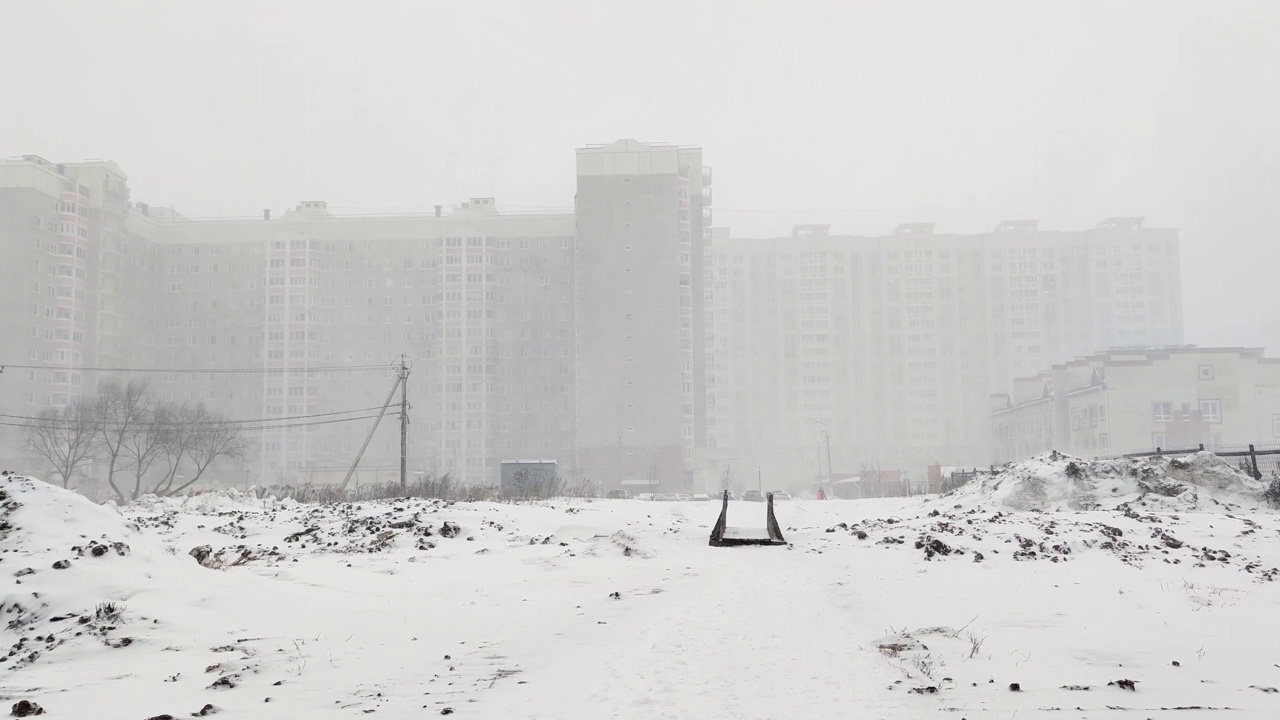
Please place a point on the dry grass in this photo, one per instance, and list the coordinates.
(435, 488)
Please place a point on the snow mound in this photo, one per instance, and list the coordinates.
(1054, 482)
(214, 502)
(620, 543)
(73, 566)
(39, 518)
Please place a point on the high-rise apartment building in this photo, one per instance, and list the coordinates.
(641, 331)
(66, 255)
(627, 340)
(246, 314)
(893, 345)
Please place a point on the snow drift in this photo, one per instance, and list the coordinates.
(1055, 482)
(70, 567)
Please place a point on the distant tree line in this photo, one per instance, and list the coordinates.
(149, 445)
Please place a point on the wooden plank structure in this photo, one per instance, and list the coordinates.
(770, 534)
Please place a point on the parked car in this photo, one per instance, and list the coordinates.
(703, 497)
(684, 496)
(644, 496)
(666, 497)
(618, 495)
(753, 496)
(782, 495)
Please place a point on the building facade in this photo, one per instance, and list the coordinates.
(628, 340)
(248, 315)
(1128, 401)
(65, 277)
(891, 346)
(641, 323)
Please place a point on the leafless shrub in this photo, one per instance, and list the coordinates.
(1272, 494)
(432, 487)
(975, 644)
(923, 664)
(109, 612)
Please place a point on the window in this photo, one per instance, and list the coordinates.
(1159, 440)
(1206, 372)
(1162, 412)
(1275, 425)
(1211, 410)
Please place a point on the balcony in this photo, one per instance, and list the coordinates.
(706, 216)
(706, 194)
(706, 175)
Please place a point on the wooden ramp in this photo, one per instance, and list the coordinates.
(770, 534)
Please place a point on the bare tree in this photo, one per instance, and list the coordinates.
(120, 411)
(212, 438)
(178, 439)
(64, 437)
(147, 443)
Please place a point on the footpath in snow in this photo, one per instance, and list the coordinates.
(1058, 588)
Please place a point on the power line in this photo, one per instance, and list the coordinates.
(245, 421)
(308, 424)
(248, 429)
(197, 371)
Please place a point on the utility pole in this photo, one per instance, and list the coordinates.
(759, 479)
(827, 436)
(402, 380)
(385, 404)
(402, 371)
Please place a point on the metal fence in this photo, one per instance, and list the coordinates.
(1253, 458)
(1252, 452)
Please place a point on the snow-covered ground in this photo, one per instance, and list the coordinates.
(1033, 594)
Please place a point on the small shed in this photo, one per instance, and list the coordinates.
(526, 477)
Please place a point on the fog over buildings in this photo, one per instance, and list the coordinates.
(931, 232)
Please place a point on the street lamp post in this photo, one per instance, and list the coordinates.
(759, 479)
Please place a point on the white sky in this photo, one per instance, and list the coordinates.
(861, 114)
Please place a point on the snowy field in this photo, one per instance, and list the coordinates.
(1141, 590)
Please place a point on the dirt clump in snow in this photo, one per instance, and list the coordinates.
(26, 708)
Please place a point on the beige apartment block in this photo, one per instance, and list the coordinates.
(1128, 401)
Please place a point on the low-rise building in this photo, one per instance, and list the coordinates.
(1127, 401)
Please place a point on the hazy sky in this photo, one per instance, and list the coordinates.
(861, 114)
